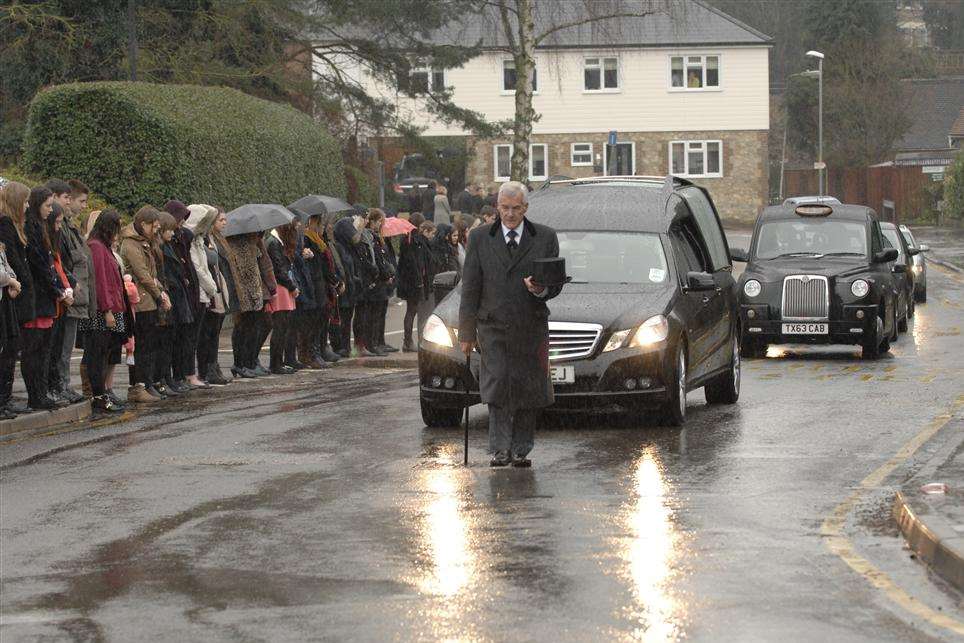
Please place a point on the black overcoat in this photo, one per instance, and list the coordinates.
(510, 324)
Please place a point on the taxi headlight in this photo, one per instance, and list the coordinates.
(436, 332)
(653, 330)
(752, 288)
(859, 288)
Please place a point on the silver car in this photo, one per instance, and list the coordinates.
(920, 265)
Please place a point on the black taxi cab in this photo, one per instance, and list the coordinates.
(818, 273)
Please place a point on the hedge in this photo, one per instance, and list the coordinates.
(138, 143)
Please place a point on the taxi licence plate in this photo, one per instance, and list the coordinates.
(563, 374)
(807, 328)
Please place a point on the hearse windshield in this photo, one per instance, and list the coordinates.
(613, 257)
(811, 237)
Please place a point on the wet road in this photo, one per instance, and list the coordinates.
(320, 507)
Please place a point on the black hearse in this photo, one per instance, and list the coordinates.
(650, 314)
(821, 274)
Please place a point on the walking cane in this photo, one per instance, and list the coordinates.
(468, 371)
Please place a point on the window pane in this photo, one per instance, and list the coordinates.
(420, 81)
(438, 79)
(677, 71)
(508, 75)
(537, 158)
(712, 158)
(695, 157)
(582, 154)
(503, 156)
(712, 71)
(694, 76)
(709, 227)
(592, 78)
(679, 159)
(610, 74)
(592, 61)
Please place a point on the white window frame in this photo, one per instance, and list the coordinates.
(601, 65)
(572, 155)
(719, 71)
(606, 156)
(431, 76)
(511, 92)
(545, 159)
(686, 158)
(495, 161)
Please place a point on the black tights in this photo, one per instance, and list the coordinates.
(280, 325)
(34, 359)
(97, 346)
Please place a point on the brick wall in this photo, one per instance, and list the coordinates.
(739, 194)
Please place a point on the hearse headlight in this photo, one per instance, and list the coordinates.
(859, 288)
(436, 332)
(752, 288)
(653, 330)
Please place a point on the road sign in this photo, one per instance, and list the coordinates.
(933, 169)
(612, 137)
(820, 165)
(937, 176)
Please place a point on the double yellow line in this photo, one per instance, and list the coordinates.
(838, 543)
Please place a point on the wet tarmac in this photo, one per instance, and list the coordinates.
(320, 507)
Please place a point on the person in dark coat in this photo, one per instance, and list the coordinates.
(444, 255)
(372, 272)
(185, 362)
(17, 294)
(428, 201)
(281, 246)
(331, 341)
(505, 313)
(50, 292)
(223, 262)
(170, 374)
(466, 202)
(305, 306)
(415, 275)
(321, 271)
(250, 290)
(414, 197)
(347, 239)
(387, 265)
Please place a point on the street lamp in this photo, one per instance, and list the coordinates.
(819, 74)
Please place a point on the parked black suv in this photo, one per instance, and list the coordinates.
(650, 314)
(821, 274)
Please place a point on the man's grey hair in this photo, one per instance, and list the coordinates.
(514, 188)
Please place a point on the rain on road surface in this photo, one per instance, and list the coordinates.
(320, 507)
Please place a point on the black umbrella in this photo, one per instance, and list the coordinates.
(317, 204)
(256, 217)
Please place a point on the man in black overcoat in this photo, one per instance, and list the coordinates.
(504, 312)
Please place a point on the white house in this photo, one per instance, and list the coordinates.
(685, 92)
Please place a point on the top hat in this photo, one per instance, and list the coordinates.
(550, 271)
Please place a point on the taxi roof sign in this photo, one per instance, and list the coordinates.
(813, 210)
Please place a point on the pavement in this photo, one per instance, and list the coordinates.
(319, 506)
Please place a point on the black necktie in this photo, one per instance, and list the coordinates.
(512, 242)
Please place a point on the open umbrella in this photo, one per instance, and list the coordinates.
(316, 204)
(256, 217)
(394, 226)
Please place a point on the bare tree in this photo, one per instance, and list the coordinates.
(526, 25)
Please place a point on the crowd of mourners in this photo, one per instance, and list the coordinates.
(154, 294)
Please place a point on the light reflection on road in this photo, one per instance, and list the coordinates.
(652, 552)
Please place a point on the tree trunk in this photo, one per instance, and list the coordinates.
(524, 58)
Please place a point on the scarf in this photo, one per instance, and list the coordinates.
(316, 239)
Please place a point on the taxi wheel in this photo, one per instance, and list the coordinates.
(674, 409)
(872, 345)
(438, 417)
(725, 388)
(902, 323)
(750, 347)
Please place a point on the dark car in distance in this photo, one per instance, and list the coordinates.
(818, 274)
(650, 314)
(903, 272)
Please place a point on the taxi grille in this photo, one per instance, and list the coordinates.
(805, 297)
(572, 340)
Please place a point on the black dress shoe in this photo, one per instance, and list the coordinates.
(43, 404)
(17, 407)
(522, 463)
(297, 365)
(55, 397)
(7, 414)
(385, 348)
(72, 396)
(104, 403)
(260, 371)
(217, 378)
(166, 391)
(500, 460)
(153, 392)
(283, 370)
(247, 373)
(329, 355)
(113, 397)
(344, 353)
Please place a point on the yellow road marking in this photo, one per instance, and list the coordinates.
(867, 377)
(851, 369)
(838, 543)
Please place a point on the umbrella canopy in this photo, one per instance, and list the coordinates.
(256, 217)
(394, 226)
(316, 204)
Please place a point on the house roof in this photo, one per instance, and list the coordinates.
(686, 23)
(934, 105)
(957, 129)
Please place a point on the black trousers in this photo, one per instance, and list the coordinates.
(34, 360)
(280, 324)
(246, 338)
(54, 381)
(363, 325)
(207, 343)
(164, 357)
(147, 345)
(97, 348)
(185, 346)
(264, 327)
(344, 331)
(8, 364)
(378, 323)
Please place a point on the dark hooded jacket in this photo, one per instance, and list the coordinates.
(177, 284)
(49, 288)
(415, 268)
(25, 304)
(444, 258)
(183, 238)
(344, 233)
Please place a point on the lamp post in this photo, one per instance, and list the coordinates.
(819, 74)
